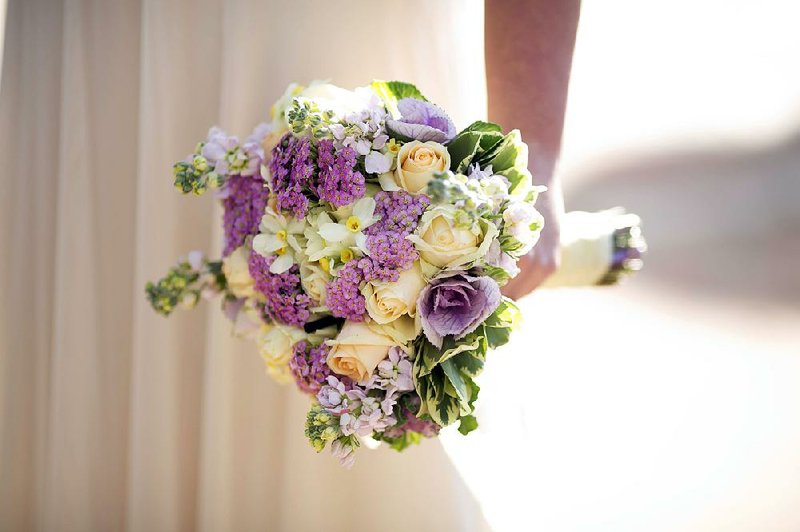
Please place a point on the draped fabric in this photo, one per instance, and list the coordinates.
(112, 417)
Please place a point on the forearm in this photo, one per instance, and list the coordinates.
(529, 45)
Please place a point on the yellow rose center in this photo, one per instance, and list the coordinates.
(346, 255)
(353, 224)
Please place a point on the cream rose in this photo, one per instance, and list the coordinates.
(237, 273)
(447, 238)
(275, 345)
(357, 351)
(417, 162)
(314, 281)
(387, 301)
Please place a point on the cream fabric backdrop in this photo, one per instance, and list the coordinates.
(114, 418)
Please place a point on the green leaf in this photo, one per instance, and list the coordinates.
(518, 178)
(467, 425)
(505, 153)
(392, 91)
(483, 127)
(462, 149)
(469, 364)
(456, 380)
(501, 322)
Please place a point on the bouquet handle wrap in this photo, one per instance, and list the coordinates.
(598, 248)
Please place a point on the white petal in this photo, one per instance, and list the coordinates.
(388, 183)
(282, 263)
(266, 244)
(377, 163)
(296, 226)
(361, 242)
(364, 209)
(270, 223)
(333, 232)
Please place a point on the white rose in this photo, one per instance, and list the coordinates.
(237, 273)
(387, 301)
(357, 351)
(417, 162)
(275, 345)
(446, 238)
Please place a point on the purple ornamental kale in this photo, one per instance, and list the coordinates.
(423, 121)
(456, 305)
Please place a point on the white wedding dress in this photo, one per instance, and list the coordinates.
(114, 418)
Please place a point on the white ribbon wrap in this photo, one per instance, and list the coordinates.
(586, 247)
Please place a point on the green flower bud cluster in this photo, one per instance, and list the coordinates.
(183, 285)
(305, 116)
(196, 176)
(457, 189)
(322, 428)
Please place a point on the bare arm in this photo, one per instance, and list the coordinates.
(529, 45)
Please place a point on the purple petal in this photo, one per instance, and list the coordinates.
(423, 121)
(420, 132)
(456, 305)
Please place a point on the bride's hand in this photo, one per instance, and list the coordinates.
(545, 257)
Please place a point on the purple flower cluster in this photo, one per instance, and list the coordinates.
(338, 182)
(309, 366)
(286, 301)
(389, 253)
(399, 212)
(244, 207)
(359, 411)
(392, 251)
(343, 296)
(292, 171)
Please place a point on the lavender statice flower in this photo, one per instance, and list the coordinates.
(344, 298)
(309, 366)
(423, 121)
(291, 173)
(456, 304)
(285, 300)
(392, 250)
(339, 183)
(399, 212)
(243, 208)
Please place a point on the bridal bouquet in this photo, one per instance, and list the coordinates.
(366, 242)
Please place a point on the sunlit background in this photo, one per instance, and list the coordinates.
(673, 402)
